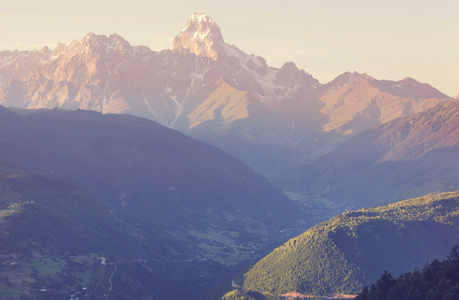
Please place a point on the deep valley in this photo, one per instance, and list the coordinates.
(202, 172)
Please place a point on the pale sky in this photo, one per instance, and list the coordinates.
(387, 39)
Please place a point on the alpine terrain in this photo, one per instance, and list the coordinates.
(407, 157)
(271, 118)
(128, 173)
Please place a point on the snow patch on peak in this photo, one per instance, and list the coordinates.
(365, 76)
(201, 36)
(456, 96)
(201, 23)
(58, 50)
(409, 88)
(233, 51)
(348, 77)
(201, 17)
(96, 43)
(90, 37)
(113, 46)
(117, 43)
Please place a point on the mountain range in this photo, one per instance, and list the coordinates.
(99, 136)
(270, 118)
(18, 64)
(407, 157)
(150, 198)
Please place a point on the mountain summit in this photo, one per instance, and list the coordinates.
(213, 91)
(201, 36)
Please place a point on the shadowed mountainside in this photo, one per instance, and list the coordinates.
(406, 157)
(186, 208)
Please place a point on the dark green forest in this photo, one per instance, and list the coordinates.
(438, 280)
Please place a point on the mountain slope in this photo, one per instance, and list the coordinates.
(18, 64)
(356, 102)
(45, 216)
(149, 171)
(54, 235)
(407, 157)
(192, 213)
(271, 118)
(353, 249)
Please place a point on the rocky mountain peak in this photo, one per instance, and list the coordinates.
(290, 75)
(354, 76)
(345, 79)
(96, 43)
(46, 51)
(359, 76)
(201, 36)
(456, 96)
(202, 19)
(17, 64)
(410, 88)
(59, 50)
(289, 67)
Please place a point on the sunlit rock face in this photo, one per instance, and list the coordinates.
(17, 64)
(271, 118)
(201, 36)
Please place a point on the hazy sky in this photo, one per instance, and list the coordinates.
(389, 39)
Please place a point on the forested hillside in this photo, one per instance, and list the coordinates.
(169, 210)
(54, 235)
(351, 250)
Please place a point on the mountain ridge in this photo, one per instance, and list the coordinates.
(133, 163)
(187, 213)
(351, 250)
(406, 157)
(193, 87)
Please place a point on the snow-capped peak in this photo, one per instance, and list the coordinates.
(97, 43)
(201, 36)
(456, 96)
(201, 17)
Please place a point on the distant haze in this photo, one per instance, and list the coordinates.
(387, 39)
